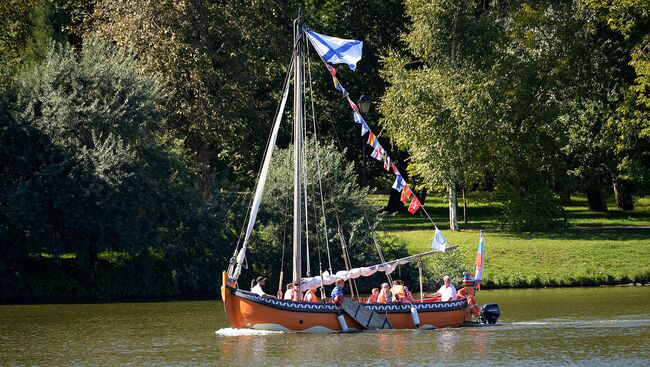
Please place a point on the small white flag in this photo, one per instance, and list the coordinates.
(439, 241)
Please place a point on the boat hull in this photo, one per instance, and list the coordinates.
(248, 310)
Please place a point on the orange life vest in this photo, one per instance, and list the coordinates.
(472, 306)
(398, 291)
(382, 297)
(307, 296)
(401, 292)
(373, 299)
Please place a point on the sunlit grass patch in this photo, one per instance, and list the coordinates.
(596, 248)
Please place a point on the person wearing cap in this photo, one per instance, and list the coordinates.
(447, 292)
(257, 289)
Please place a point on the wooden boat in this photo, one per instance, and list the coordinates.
(248, 310)
(245, 309)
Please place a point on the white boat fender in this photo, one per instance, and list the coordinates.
(414, 316)
(344, 325)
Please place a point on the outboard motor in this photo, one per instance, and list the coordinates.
(490, 313)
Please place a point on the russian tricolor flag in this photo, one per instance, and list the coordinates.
(479, 263)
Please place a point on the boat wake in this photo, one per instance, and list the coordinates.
(245, 332)
(606, 323)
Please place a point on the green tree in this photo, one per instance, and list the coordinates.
(90, 171)
(345, 203)
(629, 128)
(473, 103)
(219, 60)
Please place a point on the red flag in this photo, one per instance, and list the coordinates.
(415, 205)
(387, 163)
(405, 198)
(352, 105)
(331, 69)
(395, 171)
(406, 194)
(371, 139)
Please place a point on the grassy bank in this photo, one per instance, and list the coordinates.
(594, 249)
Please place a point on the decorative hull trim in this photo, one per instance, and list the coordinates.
(248, 310)
(332, 308)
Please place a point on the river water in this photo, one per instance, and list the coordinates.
(541, 327)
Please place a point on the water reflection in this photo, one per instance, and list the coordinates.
(539, 327)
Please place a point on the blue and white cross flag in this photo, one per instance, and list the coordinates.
(336, 50)
(439, 241)
(399, 182)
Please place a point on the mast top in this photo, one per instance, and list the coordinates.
(299, 22)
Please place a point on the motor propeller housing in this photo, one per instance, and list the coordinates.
(490, 313)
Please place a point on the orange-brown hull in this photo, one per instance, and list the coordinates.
(247, 310)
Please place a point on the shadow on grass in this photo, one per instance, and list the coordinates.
(585, 214)
(590, 234)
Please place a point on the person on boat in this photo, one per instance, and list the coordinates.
(447, 292)
(401, 292)
(337, 292)
(385, 295)
(467, 292)
(259, 284)
(374, 296)
(290, 293)
(310, 295)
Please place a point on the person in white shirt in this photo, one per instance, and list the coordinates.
(447, 292)
(290, 294)
(257, 289)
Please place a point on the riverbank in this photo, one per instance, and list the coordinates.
(593, 249)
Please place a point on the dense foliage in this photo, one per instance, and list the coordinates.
(528, 95)
(129, 130)
(86, 172)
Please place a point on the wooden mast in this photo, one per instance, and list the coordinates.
(297, 146)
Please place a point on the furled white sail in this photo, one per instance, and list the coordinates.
(241, 256)
(387, 267)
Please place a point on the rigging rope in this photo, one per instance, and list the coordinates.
(346, 255)
(320, 181)
(284, 238)
(320, 261)
(305, 169)
(233, 266)
(422, 206)
(381, 253)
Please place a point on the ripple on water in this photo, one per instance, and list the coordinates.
(577, 324)
(245, 332)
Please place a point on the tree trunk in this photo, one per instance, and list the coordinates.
(394, 203)
(453, 204)
(623, 193)
(595, 200)
(564, 191)
(423, 196)
(464, 207)
(203, 183)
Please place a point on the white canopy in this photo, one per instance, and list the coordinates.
(387, 267)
